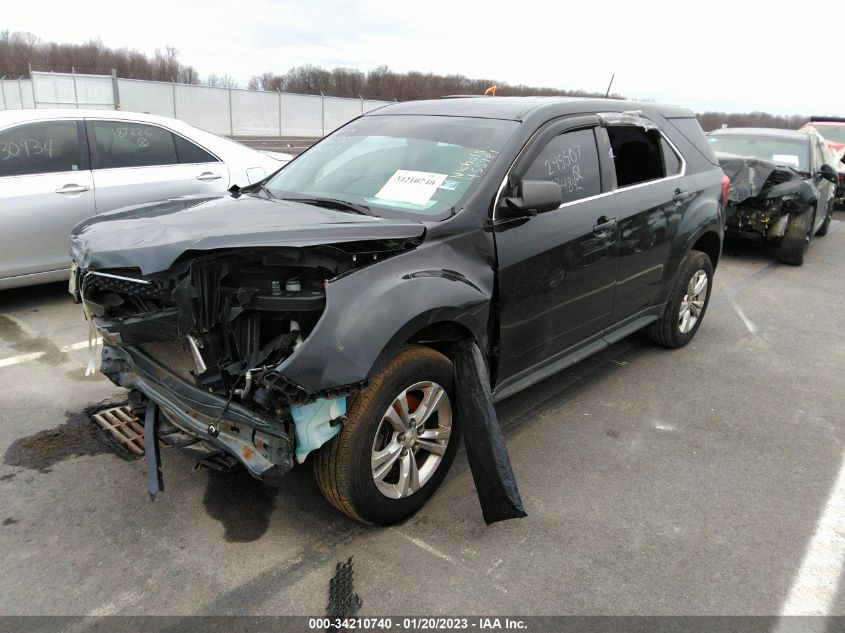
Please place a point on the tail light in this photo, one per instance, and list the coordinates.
(726, 185)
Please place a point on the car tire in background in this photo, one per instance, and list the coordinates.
(796, 240)
(687, 303)
(825, 227)
(401, 424)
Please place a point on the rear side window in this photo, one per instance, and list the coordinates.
(39, 148)
(572, 161)
(188, 152)
(128, 144)
(637, 156)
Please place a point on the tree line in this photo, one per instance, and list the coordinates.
(381, 83)
(20, 51)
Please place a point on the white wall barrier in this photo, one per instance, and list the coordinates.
(229, 111)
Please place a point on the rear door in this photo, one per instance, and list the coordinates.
(46, 189)
(652, 194)
(556, 269)
(136, 162)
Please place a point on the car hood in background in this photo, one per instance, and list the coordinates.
(279, 156)
(151, 237)
(759, 178)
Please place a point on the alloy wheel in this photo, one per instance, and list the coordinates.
(692, 304)
(411, 439)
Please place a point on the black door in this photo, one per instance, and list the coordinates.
(652, 194)
(556, 270)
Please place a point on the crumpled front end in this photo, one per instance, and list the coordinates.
(762, 196)
(204, 341)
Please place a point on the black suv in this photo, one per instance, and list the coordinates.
(319, 311)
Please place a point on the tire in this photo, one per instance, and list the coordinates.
(671, 330)
(825, 227)
(344, 466)
(796, 240)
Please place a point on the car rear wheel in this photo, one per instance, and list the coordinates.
(687, 302)
(398, 442)
(796, 240)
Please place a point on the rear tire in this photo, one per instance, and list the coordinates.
(687, 303)
(349, 468)
(796, 240)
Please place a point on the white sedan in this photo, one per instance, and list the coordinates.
(59, 167)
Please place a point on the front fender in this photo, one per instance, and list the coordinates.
(372, 312)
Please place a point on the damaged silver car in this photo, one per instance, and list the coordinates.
(364, 307)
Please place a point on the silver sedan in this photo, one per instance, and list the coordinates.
(59, 167)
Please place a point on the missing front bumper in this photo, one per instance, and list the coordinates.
(258, 442)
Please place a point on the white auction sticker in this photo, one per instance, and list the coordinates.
(416, 187)
(788, 159)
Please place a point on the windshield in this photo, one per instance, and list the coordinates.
(784, 151)
(835, 133)
(403, 166)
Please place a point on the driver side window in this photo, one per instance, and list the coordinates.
(572, 161)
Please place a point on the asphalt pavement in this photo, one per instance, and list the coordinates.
(706, 480)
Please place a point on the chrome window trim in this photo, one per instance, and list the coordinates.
(121, 278)
(681, 173)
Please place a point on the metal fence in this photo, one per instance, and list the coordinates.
(230, 111)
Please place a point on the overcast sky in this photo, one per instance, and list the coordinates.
(735, 55)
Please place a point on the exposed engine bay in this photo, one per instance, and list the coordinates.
(763, 195)
(212, 331)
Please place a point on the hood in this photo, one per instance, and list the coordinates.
(151, 237)
(759, 178)
(279, 156)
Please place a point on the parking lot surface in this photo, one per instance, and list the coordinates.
(293, 145)
(706, 480)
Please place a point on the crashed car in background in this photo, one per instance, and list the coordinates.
(366, 305)
(782, 190)
(832, 130)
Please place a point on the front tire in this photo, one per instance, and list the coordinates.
(796, 241)
(825, 227)
(687, 303)
(398, 442)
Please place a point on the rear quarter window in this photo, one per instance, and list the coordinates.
(691, 130)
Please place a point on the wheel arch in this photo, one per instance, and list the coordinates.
(709, 243)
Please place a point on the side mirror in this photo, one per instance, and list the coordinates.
(532, 197)
(828, 173)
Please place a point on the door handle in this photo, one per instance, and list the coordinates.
(681, 196)
(604, 224)
(207, 175)
(73, 189)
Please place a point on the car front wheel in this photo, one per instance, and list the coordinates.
(398, 442)
(796, 241)
(688, 300)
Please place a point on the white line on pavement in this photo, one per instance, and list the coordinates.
(815, 585)
(23, 358)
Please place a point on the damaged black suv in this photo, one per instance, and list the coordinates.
(782, 190)
(324, 310)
